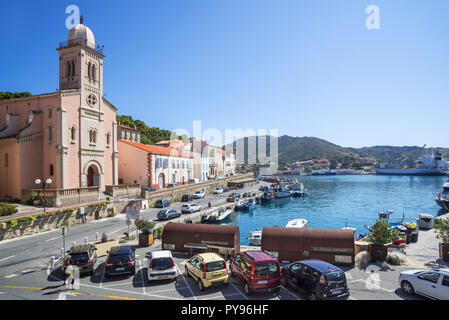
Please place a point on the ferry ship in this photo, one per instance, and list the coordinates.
(431, 165)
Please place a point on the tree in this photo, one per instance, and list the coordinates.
(4, 95)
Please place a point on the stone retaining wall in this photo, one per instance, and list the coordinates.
(35, 224)
(176, 193)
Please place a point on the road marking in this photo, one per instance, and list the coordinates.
(132, 292)
(52, 239)
(6, 258)
(117, 284)
(291, 293)
(70, 293)
(235, 287)
(63, 295)
(372, 284)
(185, 280)
(141, 274)
(11, 276)
(223, 296)
(27, 271)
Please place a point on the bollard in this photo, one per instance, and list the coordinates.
(86, 240)
(62, 253)
(52, 263)
(96, 236)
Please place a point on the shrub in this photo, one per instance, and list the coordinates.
(111, 214)
(145, 226)
(442, 230)
(104, 237)
(382, 233)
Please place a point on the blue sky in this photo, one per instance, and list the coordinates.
(306, 68)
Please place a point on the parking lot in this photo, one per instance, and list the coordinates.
(373, 283)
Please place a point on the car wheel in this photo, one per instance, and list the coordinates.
(187, 273)
(407, 287)
(247, 289)
(200, 285)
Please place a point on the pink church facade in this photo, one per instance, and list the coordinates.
(69, 136)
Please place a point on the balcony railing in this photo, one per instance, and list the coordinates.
(71, 43)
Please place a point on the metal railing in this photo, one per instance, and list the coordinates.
(75, 42)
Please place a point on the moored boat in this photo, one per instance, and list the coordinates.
(443, 198)
(248, 205)
(430, 165)
(218, 216)
(255, 238)
(297, 223)
(282, 192)
(267, 197)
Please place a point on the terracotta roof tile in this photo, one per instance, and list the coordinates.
(158, 150)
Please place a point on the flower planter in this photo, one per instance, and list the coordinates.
(444, 252)
(378, 253)
(146, 240)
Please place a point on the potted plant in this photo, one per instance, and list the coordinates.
(146, 238)
(442, 230)
(381, 233)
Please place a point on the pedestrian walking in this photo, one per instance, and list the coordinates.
(70, 272)
(66, 263)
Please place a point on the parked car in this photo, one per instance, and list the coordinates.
(168, 214)
(218, 191)
(199, 195)
(316, 279)
(161, 266)
(120, 260)
(192, 181)
(208, 269)
(233, 196)
(225, 189)
(259, 271)
(187, 198)
(84, 257)
(172, 185)
(433, 284)
(162, 203)
(190, 208)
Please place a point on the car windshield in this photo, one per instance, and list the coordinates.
(186, 206)
(266, 268)
(215, 266)
(117, 258)
(82, 256)
(163, 211)
(162, 263)
(336, 276)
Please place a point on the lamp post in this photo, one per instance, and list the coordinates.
(38, 182)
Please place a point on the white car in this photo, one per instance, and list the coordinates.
(190, 208)
(218, 191)
(432, 284)
(199, 195)
(161, 266)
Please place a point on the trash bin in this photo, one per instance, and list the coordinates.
(414, 237)
(426, 221)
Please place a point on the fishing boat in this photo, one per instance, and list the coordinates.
(217, 216)
(255, 238)
(248, 205)
(443, 198)
(281, 192)
(297, 223)
(267, 197)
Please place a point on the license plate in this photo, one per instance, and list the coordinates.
(216, 275)
(120, 269)
(262, 282)
(337, 292)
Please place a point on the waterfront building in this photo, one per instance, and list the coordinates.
(153, 166)
(69, 135)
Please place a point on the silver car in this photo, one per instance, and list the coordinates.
(161, 266)
(190, 208)
(433, 284)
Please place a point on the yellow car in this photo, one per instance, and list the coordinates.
(208, 269)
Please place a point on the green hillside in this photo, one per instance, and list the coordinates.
(149, 135)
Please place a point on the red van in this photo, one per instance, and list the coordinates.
(259, 271)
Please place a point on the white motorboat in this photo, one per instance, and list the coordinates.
(297, 223)
(282, 192)
(255, 238)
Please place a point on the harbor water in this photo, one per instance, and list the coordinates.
(358, 198)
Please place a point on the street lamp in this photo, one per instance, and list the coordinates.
(38, 182)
